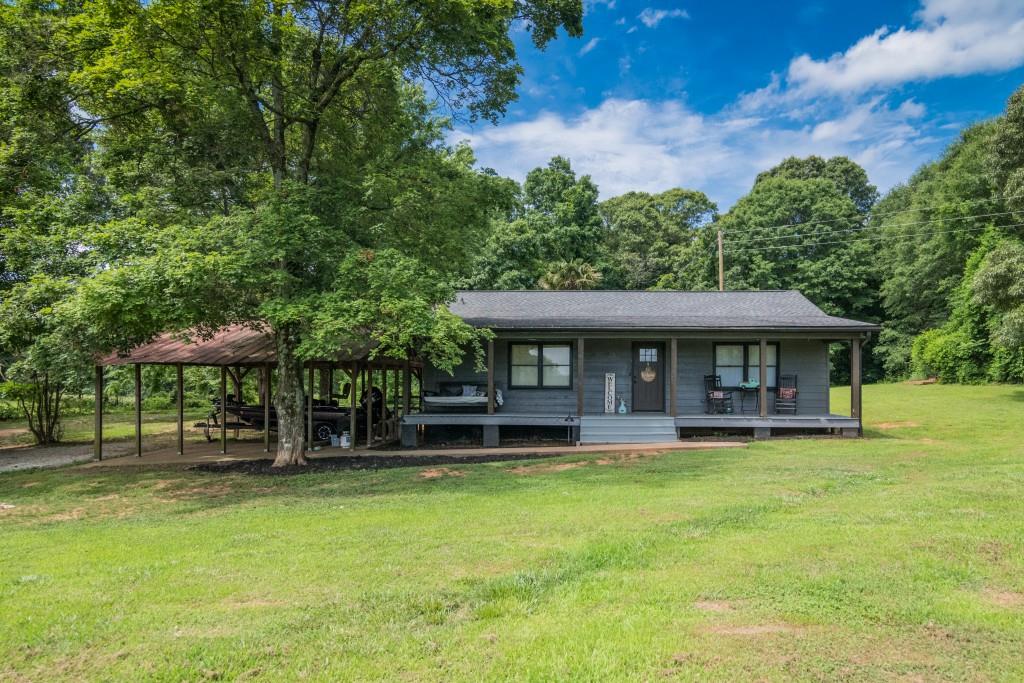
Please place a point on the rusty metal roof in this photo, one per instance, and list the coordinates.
(235, 345)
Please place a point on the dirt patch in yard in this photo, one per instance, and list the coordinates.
(713, 606)
(756, 629)
(1005, 598)
(364, 462)
(904, 424)
(439, 472)
(548, 468)
(614, 459)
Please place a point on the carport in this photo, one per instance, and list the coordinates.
(238, 351)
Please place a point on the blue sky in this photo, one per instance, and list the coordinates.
(705, 94)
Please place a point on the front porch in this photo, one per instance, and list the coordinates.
(658, 381)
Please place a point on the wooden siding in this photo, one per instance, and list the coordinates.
(808, 359)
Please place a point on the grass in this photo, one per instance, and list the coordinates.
(118, 425)
(895, 557)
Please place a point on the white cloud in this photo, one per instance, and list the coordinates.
(591, 44)
(847, 104)
(950, 38)
(651, 17)
(643, 145)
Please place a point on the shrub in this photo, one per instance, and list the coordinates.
(950, 355)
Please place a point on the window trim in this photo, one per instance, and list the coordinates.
(746, 361)
(540, 365)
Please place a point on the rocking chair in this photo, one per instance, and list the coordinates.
(786, 394)
(716, 401)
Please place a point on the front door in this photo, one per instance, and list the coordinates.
(648, 377)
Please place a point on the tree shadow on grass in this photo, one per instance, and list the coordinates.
(240, 483)
(1017, 395)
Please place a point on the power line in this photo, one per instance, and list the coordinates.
(872, 214)
(865, 239)
(873, 227)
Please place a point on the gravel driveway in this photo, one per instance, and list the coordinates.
(28, 457)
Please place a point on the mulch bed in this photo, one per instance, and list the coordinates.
(363, 462)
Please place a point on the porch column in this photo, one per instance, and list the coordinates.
(97, 428)
(309, 409)
(223, 409)
(490, 376)
(579, 376)
(266, 408)
(180, 373)
(354, 404)
(763, 386)
(138, 410)
(673, 379)
(855, 379)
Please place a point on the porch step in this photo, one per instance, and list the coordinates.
(627, 429)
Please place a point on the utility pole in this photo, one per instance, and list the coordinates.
(721, 264)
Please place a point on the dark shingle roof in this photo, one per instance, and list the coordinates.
(616, 309)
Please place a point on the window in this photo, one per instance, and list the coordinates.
(738, 363)
(540, 366)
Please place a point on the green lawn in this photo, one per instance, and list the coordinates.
(117, 426)
(899, 556)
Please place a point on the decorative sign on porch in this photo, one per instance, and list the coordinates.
(609, 392)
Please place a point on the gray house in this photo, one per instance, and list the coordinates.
(636, 366)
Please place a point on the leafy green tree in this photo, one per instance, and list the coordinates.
(794, 232)
(325, 152)
(657, 239)
(557, 220)
(572, 274)
(928, 230)
(45, 193)
(798, 229)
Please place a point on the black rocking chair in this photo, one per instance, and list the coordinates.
(716, 401)
(786, 395)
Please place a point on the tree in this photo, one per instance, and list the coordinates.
(792, 231)
(557, 221)
(652, 238)
(326, 155)
(45, 192)
(798, 229)
(572, 274)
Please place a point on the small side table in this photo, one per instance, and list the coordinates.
(753, 390)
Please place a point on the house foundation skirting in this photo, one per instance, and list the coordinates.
(760, 427)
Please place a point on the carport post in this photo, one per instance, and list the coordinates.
(138, 410)
(97, 429)
(223, 409)
(266, 408)
(353, 404)
(180, 372)
(490, 376)
(309, 410)
(407, 389)
(368, 388)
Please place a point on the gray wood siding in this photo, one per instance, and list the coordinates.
(808, 359)
(537, 401)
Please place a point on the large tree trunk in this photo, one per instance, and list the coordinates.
(290, 401)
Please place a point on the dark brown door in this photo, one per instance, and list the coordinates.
(648, 377)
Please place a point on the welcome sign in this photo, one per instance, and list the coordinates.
(609, 392)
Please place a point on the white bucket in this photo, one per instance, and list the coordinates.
(344, 441)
